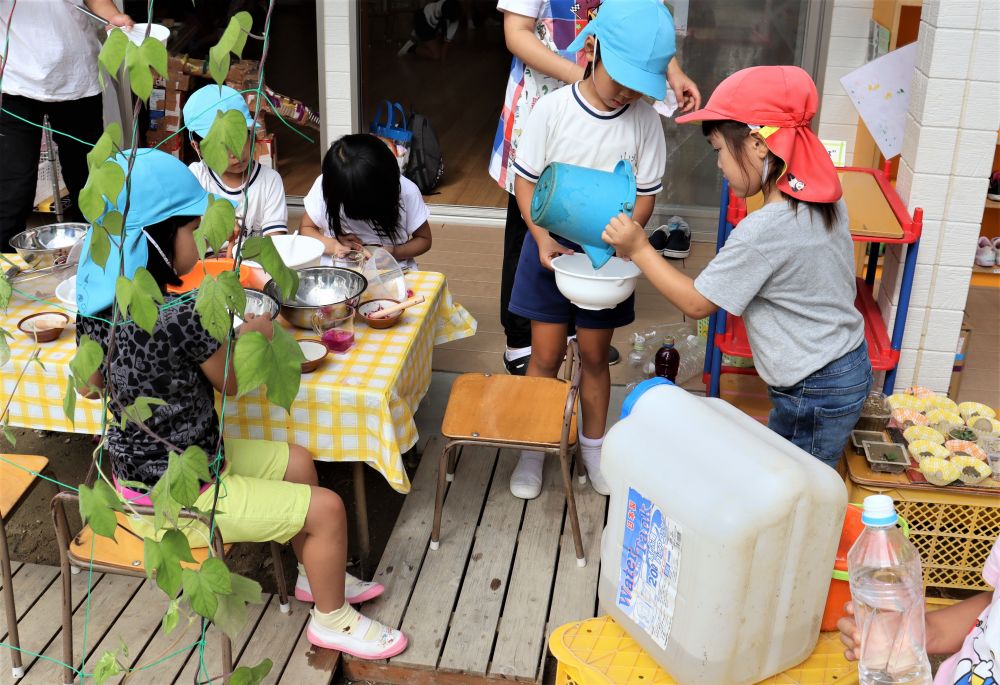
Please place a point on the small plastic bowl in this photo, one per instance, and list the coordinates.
(925, 449)
(214, 267)
(984, 424)
(965, 448)
(366, 309)
(939, 471)
(945, 404)
(920, 391)
(44, 326)
(905, 417)
(970, 409)
(903, 401)
(315, 353)
(936, 415)
(970, 470)
(962, 433)
(914, 433)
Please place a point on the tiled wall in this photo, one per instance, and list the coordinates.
(847, 50)
(951, 135)
(338, 67)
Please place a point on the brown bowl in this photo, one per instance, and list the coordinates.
(312, 361)
(44, 329)
(371, 306)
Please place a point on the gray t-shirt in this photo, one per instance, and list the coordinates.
(792, 281)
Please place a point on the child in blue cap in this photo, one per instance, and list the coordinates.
(595, 123)
(257, 189)
(271, 490)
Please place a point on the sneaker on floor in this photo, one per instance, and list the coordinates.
(518, 366)
(993, 192)
(678, 243)
(985, 252)
(526, 480)
(996, 250)
(365, 639)
(356, 590)
(614, 356)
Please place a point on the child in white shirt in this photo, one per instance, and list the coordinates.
(361, 199)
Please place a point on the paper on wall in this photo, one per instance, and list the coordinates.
(880, 91)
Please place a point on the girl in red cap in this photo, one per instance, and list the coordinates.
(788, 269)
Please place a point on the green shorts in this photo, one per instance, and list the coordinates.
(255, 504)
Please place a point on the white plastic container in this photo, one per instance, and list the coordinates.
(297, 252)
(720, 540)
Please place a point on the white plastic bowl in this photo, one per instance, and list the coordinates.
(590, 288)
(137, 33)
(297, 252)
(66, 292)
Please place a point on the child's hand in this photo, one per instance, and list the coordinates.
(849, 633)
(625, 235)
(334, 247)
(255, 323)
(549, 249)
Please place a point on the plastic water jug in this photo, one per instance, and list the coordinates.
(576, 203)
(720, 538)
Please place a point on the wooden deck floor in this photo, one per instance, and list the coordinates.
(131, 608)
(481, 607)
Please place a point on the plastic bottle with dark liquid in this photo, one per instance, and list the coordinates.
(667, 361)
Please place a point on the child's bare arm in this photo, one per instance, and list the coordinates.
(523, 43)
(643, 209)
(947, 628)
(418, 244)
(629, 238)
(331, 246)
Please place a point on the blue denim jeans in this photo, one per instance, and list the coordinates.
(819, 412)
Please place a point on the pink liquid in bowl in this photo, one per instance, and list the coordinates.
(338, 341)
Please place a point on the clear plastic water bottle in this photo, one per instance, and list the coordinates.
(888, 593)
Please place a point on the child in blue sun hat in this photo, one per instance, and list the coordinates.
(594, 123)
(256, 189)
(270, 488)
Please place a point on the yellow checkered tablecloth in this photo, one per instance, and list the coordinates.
(356, 407)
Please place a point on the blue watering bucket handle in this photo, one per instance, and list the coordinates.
(402, 116)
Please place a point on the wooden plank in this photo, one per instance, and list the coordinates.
(17, 475)
(473, 627)
(309, 664)
(107, 599)
(404, 552)
(430, 607)
(44, 620)
(521, 631)
(574, 595)
(29, 584)
(14, 567)
(161, 646)
(274, 637)
(213, 657)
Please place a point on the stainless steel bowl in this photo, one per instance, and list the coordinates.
(263, 302)
(322, 286)
(48, 245)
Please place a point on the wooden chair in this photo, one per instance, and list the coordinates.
(18, 474)
(125, 555)
(517, 412)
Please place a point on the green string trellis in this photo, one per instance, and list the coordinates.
(217, 460)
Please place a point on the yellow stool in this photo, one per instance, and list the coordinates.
(598, 652)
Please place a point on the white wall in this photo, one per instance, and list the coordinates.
(339, 69)
(847, 50)
(950, 140)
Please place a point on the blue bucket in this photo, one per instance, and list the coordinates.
(576, 203)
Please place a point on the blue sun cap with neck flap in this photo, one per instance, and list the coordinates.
(161, 187)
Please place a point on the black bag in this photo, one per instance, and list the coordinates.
(426, 165)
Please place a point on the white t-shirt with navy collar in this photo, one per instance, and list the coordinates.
(262, 207)
(564, 127)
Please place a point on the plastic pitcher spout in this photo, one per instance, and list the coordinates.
(576, 203)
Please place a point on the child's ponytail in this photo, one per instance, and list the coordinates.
(360, 176)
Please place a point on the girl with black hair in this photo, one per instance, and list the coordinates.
(361, 199)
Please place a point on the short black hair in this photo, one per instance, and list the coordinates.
(451, 10)
(163, 233)
(360, 175)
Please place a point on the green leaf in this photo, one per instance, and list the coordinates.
(165, 508)
(87, 360)
(140, 297)
(263, 251)
(140, 410)
(113, 52)
(69, 399)
(228, 135)
(107, 667)
(140, 79)
(147, 285)
(202, 587)
(8, 434)
(6, 290)
(155, 54)
(4, 349)
(277, 363)
(105, 146)
(164, 559)
(171, 616)
(218, 63)
(251, 359)
(245, 22)
(100, 246)
(185, 473)
(216, 225)
(113, 222)
(245, 675)
(123, 293)
(104, 181)
(231, 615)
(98, 506)
(217, 297)
(245, 589)
(215, 574)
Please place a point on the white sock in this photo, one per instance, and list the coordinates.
(526, 480)
(590, 452)
(513, 353)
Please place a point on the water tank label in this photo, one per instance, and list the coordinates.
(651, 559)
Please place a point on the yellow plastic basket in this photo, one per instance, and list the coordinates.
(954, 532)
(598, 652)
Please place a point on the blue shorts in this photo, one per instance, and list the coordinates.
(536, 297)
